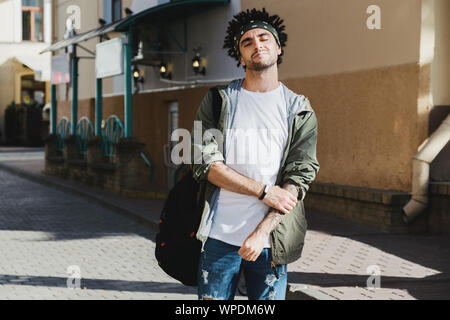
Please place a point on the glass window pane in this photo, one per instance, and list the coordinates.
(26, 25)
(38, 26)
(107, 11)
(39, 97)
(116, 10)
(32, 3)
(26, 97)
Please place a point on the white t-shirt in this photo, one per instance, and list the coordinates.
(254, 148)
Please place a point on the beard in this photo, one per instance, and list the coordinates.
(261, 65)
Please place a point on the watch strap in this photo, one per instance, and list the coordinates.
(263, 194)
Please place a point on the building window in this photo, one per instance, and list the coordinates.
(32, 92)
(32, 20)
(112, 10)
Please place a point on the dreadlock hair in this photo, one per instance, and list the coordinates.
(243, 18)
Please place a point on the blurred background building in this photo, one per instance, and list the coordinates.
(26, 29)
(377, 74)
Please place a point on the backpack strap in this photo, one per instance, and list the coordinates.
(216, 104)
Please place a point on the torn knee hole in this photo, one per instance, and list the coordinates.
(205, 276)
(270, 280)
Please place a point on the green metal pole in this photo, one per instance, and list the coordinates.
(128, 103)
(53, 109)
(74, 90)
(98, 106)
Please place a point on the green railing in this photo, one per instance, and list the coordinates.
(84, 132)
(149, 165)
(111, 134)
(62, 132)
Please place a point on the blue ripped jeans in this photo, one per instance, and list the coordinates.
(219, 269)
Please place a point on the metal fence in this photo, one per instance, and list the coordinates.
(111, 134)
(84, 133)
(62, 132)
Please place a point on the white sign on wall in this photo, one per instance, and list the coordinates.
(109, 58)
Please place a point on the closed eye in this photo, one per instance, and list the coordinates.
(248, 41)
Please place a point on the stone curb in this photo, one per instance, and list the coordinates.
(294, 291)
(371, 195)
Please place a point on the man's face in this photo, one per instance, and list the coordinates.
(259, 49)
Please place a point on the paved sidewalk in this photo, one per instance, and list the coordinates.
(338, 257)
(47, 236)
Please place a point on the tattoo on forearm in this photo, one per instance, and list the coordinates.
(291, 188)
(273, 218)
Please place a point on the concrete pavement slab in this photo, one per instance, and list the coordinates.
(339, 257)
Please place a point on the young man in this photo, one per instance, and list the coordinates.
(253, 216)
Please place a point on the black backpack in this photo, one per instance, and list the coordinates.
(177, 248)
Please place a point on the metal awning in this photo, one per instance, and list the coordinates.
(171, 10)
(83, 37)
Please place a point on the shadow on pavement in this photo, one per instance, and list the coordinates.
(99, 284)
(426, 250)
(428, 288)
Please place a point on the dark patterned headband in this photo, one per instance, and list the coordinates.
(253, 25)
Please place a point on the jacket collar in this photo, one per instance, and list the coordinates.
(295, 103)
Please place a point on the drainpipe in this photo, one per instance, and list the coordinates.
(421, 170)
(74, 90)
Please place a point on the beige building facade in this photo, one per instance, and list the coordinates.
(24, 73)
(371, 89)
(89, 14)
(374, 71)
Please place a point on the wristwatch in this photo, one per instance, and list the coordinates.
(266, 189)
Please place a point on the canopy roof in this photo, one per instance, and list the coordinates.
(154, 15)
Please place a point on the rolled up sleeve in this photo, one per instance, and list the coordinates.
(301, 166)
(208, 149)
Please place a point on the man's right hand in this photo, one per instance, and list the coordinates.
(224, 177)
(280, 199)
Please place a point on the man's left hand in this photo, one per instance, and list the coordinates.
(253, 246)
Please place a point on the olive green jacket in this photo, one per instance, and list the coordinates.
(299, 165)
